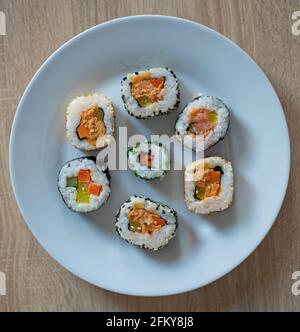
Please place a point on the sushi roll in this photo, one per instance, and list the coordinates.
(90, 122)
(84, 186)
(149, 160)
(208, 185)
(145, 223)
(202, 123)
(149, 93)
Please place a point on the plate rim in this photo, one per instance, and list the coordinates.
(27, 92)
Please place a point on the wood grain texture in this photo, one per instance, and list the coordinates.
(35, 28)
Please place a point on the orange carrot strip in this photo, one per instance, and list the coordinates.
(84, 175)
(158, 82)
(82, 131)
(94, 189)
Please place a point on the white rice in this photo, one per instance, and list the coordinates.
(69, 194)
(209, 204)
(160, 161)
(198, 142)
(164, 106)
(152, 241)
(83, 103)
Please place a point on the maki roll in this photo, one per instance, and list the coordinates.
(208, 185)
(145, 223)
(90, 122)
(149, 160)
(202, 123)
(84, 186)
(149, 93)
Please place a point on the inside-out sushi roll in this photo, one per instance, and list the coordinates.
(84, 186)
(150, 92)
(145, 223)
(90, 122)
(208, 185)
(202, 123)
(149, 160)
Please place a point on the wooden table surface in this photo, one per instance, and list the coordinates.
(35, 28)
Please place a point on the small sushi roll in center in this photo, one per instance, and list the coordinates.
(149, 160)
(150, 92)
(145, 223)
(202, 123)
(208, 185)
(83, 185)
(90, 122)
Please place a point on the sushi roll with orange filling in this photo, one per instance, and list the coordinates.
(149, 160)
(150, 93)
(208, 185)
(145, 223)
(90, 122)
(84, 186)
(202, 123)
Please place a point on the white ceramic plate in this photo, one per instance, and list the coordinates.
(206, 247)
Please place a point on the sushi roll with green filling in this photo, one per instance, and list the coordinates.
(202, 123)
(90, 122)
(208, 185)
(150, 93)
(83, 185)
(146, 223)
(149, 160)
